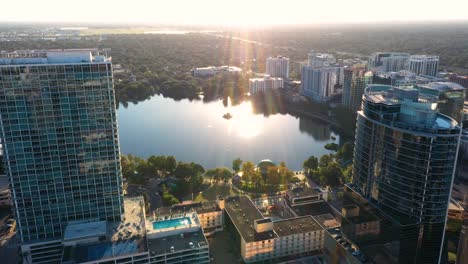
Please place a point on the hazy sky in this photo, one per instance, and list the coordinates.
(234, 12)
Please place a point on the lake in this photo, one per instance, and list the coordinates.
(196, 131)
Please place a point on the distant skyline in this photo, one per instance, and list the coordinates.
(233, 13)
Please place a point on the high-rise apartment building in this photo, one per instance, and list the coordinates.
(404, 162)
(355, 81)
(388, 61)
(424, 65)
(451, 97)
(277, 67)
(264, 84)
(320, 59)
(59, 133)
(462, 80)
(318, 84)
(61, 148)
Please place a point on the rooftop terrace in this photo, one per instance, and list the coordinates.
(179, 242)
(111, 238)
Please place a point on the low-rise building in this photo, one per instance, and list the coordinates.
(302, 196)
(213, 70)
(263, 239)
(176, 238)
(210, 213)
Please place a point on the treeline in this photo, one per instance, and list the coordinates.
(275, 178)
(179, 178)
(331, 169)
(448, 40)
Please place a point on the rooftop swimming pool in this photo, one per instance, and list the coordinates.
(172, 223)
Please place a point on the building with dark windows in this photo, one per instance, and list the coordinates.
(277, 67)
(355, 81)
(460, 79)
(59, 134)
(62, 157)
(451, 97)
(462, 251)
(404, 162)
(424, 65)
(263, 239)
(319, 84)
(388, 61)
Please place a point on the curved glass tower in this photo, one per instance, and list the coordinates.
(404, 161)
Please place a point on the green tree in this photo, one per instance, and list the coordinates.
(257, 179)
(345, 153)
(331, 174)
(236, 164)
(217, 174)
(171, 164)
(248, 171)
(348, 174)
(285, 175)
(273, 176)
(332, 146)
(325, 160)
(310, 164)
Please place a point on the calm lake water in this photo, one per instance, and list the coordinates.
(196, 131)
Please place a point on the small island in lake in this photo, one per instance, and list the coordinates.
(227, 116)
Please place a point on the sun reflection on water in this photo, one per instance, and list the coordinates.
(244, 123)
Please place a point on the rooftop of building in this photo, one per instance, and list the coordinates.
(443, 86)
(300, 192)
(424, 56)
(199, 207)
(417, 109)
(327, 220)
(178, 242)
(161, 224)
(298, 225)
(278, 57)
(264, 78)
(111, 238)
(243, 213)
(54, 56)
(313, 209)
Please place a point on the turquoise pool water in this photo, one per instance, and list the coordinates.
(172, 223)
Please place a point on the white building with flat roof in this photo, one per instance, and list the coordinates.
(264, 84)
(277, 67)
(320, 59)
(388, 61)
(318, 84)
(424, 65)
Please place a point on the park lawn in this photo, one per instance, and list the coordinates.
(213, 192)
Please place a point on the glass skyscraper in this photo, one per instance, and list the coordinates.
(355, 81)
(59, 134)
(404, 161)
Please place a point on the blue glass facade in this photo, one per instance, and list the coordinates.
(404, 161)
(59, 129)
